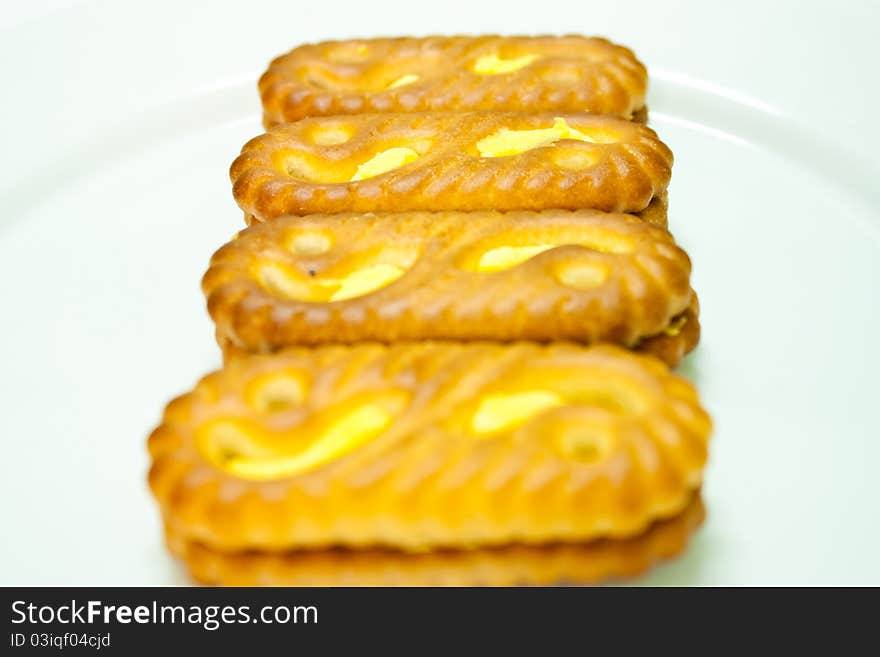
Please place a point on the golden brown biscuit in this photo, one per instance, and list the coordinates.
(560, 563)
(670, 345)
(655, 213)
(452, 161)
(428, 445)
(464, 73)
(586, 276)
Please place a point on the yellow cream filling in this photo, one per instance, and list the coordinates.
(495, 65)
(350, 277)
(510, 142)
(234, 450)
(280, 281)
(505, 257)
(506, 411)
(366, 280)
(508, 256)
(250, 452)
(403, 80)
(385, 161)
(676, 325)
(290, 284)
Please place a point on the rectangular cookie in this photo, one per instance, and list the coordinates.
(428, 445)
(463, 73)
(586, 276)
(593, 562)
(464, 161)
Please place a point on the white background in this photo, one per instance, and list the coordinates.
(119, 121)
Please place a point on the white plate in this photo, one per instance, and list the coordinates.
(116, 157)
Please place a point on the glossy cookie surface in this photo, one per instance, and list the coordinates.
(460, 161)
(585, 276)
(562, 74)
(428, 445)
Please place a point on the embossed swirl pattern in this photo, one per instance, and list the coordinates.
(535, 74)
(586, 276)
(407, 445)
(442, 161)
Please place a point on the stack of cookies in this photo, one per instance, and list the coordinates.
(447, 330)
